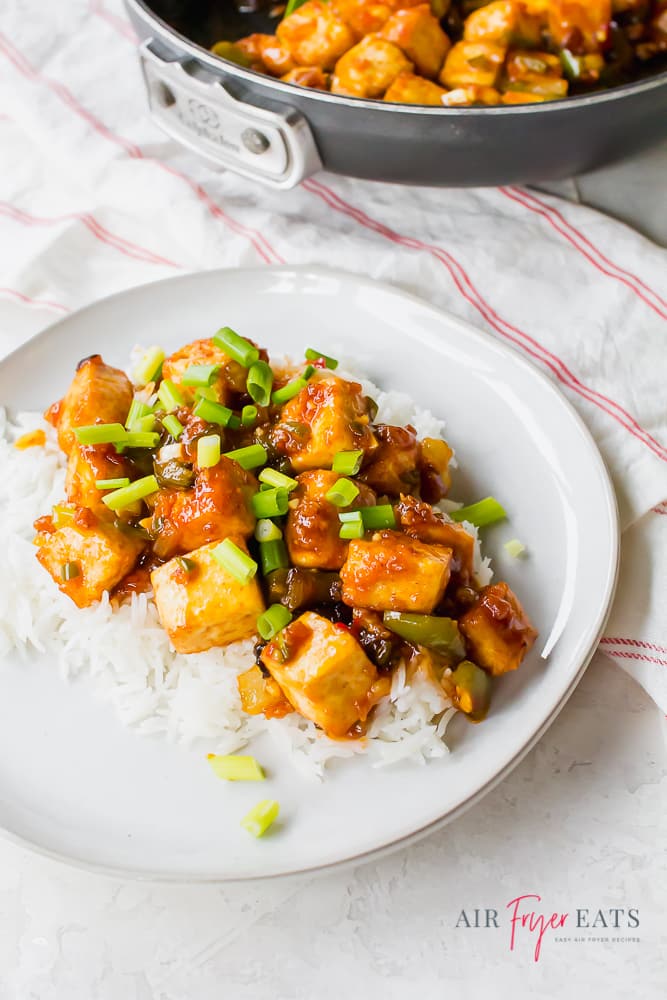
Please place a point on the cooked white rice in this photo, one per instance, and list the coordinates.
(126, 654)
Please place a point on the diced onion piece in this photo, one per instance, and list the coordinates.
(273, 621)
(482, 513)
(261, 817)
(236, 347)
(125, 497)
(347, 463)
(250, 457)
(275, 478)
(237, 562)
(208, 451)
(236, 767)
(148, 368)
(267, 531)
(342, 493)
(514, 548)
(314, 355)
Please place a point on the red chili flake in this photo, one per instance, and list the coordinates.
(319, 363)
(342, 626)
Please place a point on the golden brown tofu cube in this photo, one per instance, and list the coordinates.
(307, 76)
(475, 64)
(98, 556)
(314, 35)
(97, 393)
(419, 520)
(262, 695)
(498, 631)
(393, 465)
(465, 97)
(361, 16)
(216, 507)
(587, 21)
(328, 415)
(312, 529)
(230, 378)
(392, 572)
(369, 69)
(206, 606)
(267, 50)
(536, 73)
(504, 22)
(85, 465)
(408, 88)
(323, 671)
(420, 36)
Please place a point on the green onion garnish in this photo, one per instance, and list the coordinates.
(308, 372)
(213, 413)
(199, 375)
(248, 415)
(236, 347)
(347, 463)
(100, 433)
(186, 564)
(313, 355)
(380, 516)
(514, 548)
(138, 439)
(267, 531)
(250, 457)
(273, 621)
(128, 495)
(237, 562)
(259, 382)
(235, 767)
(482, 513)
(352, 525)
(206, 392)
(112, 484)
(288, 391)
(69, 570)
(342, 493)
(145, 423)
(571, 64)
(274, 478)
(149, 366)
(172, 424)
(62, 515)
(208, 451)
(273, 555)
(260, 817)
(169, 395)
(270, 503)
(137, 410)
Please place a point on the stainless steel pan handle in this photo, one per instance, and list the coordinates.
(274, 146)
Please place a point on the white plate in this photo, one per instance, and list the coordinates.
(75, 784)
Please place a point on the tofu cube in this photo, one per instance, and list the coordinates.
(360, 15)
(408, 88)
(324, 673)
(313, 528)
(391, 572)
(498, 631)
(97, 392)
(369, 69)
(315, 35)
(85, 465)
(206, 606)
(229, 379)
(418, 33)
(419, 520)
(504, 22)
(535, 72)
(100, 554)
(475, 64)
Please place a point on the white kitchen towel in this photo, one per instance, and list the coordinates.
(93, 199)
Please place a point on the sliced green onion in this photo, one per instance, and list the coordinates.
(347, 463)
(213, 413)
(145, 424)
(267, 531)
(62, 515)
(273, 621)
(571, 64)
(259, 383)
(380, 516)
(186, 564)
(199, 375)
(351, 516)
(112, 484)
(234, 422)
(208, 451)
(138, 439)
(308, 372)
(482, 513)
(237, 562)
(273, 555)
(100, 433)
(441, 634)
(169, 395)
(69, 570)
(248, 415)
(137, 410)
(236, 767)
(236, 347)
(288, 391)
(128, 495)
(172, 424)
(342, 493)
(205, 392)
(261, 817)
(313, 355)
(270, 503)
(250, 457)
(148, 368)
(275, 478)
(514, 548)
(352, 525)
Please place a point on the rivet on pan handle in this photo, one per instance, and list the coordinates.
(275, 147)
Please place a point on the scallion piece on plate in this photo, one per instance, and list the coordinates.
(137, 410)
(144, 424)
(250, 457)
(273, 555)
(237, 562)
(378, 517)
(125, 497)
(148, 368)
(352, 525)
(313, 355)
(270, 503)
(100, 433)
(112, 484)
(571, 64)
(261, 817)
(206, 392)
(138, 439)
(172, 424)
(289, 391)
(236, 347)
(347, 463)
(248, 415)
(275, 478)
(259, 383)
(267, 530)
(200, 375)
(342, 493)
(273, 621)
(208, 451)
(213, 413)
(169, 395)
(514, 548)
(236, 767)
(481, 514)
(69, 570)
(308, 372)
